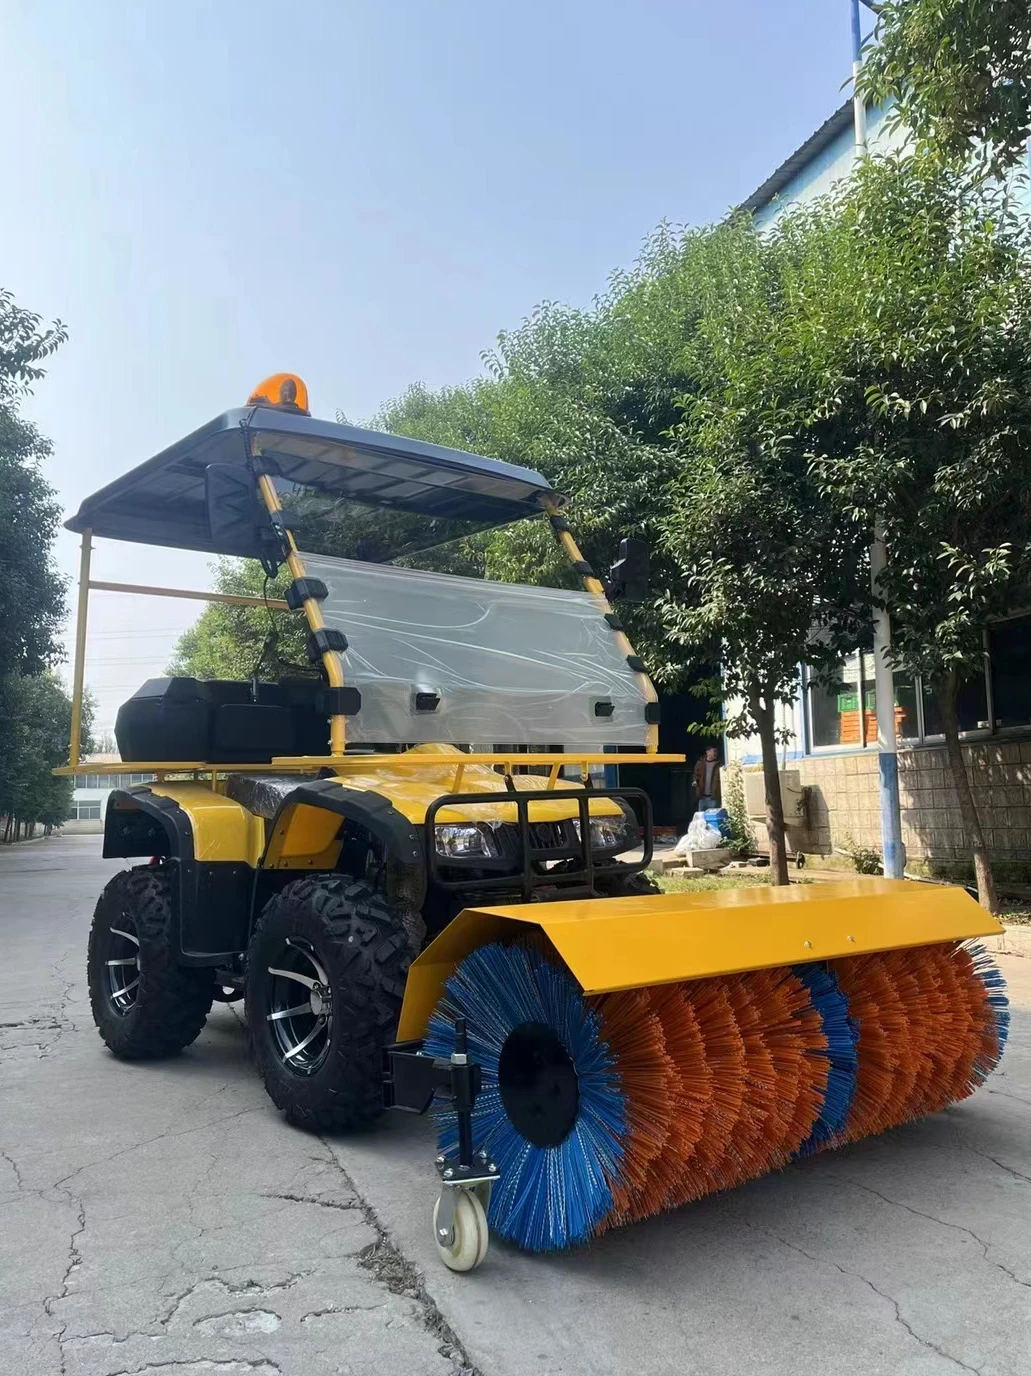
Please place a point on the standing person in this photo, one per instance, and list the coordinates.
(707, 780)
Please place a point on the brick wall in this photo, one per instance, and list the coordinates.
(842, 801)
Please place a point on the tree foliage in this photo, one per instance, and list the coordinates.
(231, 642)
(33, 605)
(930, 435)
(772, 570)
(959, 72)
(34, 710)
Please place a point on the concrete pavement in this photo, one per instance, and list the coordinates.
(163, 1219)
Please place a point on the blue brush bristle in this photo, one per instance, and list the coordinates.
(842, 1038)
(547, 1197)
(991, 977)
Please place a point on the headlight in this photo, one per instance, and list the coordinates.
(609, 832)
(467, 841)
(612, 833)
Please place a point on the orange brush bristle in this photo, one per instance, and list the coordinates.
(649, 1081)
(795, 1039)
(954, 1047)
(725, 1057)
(690, 1101)
(750, 1144)
(888, 1062)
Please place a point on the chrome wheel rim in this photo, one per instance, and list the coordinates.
(123, 968)
(299, 998)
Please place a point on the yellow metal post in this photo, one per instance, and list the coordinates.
(597, 589)
(331, 661)
(79, 671)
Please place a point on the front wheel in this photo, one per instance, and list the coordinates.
(144, 1004)
(325, 978)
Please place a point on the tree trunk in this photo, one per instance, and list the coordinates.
(968, 810)
(762, 711)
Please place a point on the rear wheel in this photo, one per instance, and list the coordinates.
(144, 1004)
(325, 978)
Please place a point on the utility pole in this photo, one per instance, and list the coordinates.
(892, 848)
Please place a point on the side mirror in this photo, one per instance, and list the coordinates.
(628, 577)
(237, 521)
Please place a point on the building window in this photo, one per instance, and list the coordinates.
(997, 698)
(87, 812)
(1009, 648)
(845, 713)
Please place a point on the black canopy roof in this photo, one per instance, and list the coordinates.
(162, 501)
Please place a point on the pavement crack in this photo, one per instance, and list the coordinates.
(229, 1287)
(338, 1309)
(943, 1223)
(74, 1262)
(168, 1136)
(881, 1294)
(1010, 1170)
(391, 1269)
(263, 1366)
(1005, 1094)
(37, 1024)
(312, 1199)
(14, 1167)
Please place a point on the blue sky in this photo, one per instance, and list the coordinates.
(361, 192)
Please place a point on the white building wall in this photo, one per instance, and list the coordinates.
(91, 792)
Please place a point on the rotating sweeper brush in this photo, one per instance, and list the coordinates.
(600, 1106)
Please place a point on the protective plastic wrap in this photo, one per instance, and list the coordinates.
(458, 660)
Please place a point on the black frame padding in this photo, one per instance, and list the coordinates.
(340, 702)
(298, 592)
(325, 639)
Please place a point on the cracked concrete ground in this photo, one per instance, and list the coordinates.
(163, 1219)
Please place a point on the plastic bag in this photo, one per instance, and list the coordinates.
(699, 836)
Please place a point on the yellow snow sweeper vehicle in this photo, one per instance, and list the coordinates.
(421, 918)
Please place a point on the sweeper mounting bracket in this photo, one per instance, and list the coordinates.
(412, 1082)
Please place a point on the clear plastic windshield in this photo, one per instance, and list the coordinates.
(463, 660)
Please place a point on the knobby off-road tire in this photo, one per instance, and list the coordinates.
(340, 947)
(165, 1010)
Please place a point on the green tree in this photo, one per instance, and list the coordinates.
(37, 713)
(33, 604)
(232, 642)
(929, 431)
(772, 568)
(959, 72)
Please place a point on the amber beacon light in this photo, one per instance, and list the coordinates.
(286, 391)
